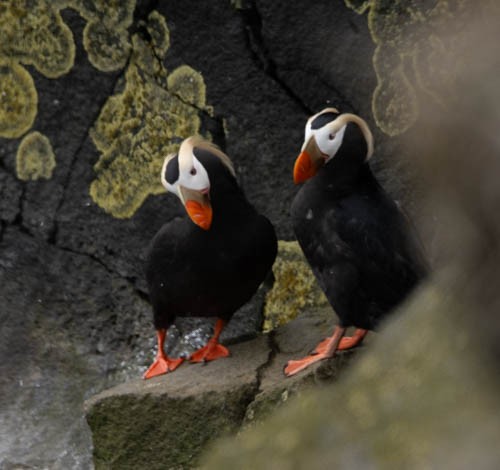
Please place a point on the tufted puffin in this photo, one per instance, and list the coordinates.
(210, 263)
(359, 244)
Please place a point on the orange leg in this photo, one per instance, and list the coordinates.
(162, 363)
(348, 342)
(213, 349)
(324, 350)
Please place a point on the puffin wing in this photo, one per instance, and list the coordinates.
(169, 264)
(381, 244)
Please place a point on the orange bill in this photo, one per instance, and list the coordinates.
(308, 162)
(303, 168)
(200, 212)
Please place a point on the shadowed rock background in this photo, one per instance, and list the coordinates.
(94, 94)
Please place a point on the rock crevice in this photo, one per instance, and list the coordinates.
(170, 420)
(259, 51)
(167, 420)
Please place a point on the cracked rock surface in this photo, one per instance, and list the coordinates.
(169, 421)
(74, 313)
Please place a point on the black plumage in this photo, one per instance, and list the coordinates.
(199, 272)
(357, 241)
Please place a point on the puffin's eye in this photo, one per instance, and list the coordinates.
(331, 136)
(193, 171)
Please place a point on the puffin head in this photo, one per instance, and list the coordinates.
(325, 134)
(184, 175)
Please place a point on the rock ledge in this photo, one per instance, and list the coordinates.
(168, 421)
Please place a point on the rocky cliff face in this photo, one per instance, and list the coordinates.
(92, 96)
(426, 392)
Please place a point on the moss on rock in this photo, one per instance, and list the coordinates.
(154, 423)
(107, 48)
(35, 158)
(170, 420)
(139, 126)
(33, 32)
(295, 287)
(188, 85)
(167, 421)
(160, 35)
(402, 405)
(105, 36)
(416, 47)
(18, 100)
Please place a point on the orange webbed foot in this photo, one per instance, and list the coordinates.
(322, 347)
(211, 351)
(162, 365)
(348, 342)
(295, 366)
(323, 350)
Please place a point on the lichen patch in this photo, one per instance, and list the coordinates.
(139, 126)
(18, 100)
(416, 52)
(33, 32)
(35, 158)
(295, 287)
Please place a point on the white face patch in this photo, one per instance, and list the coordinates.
(184, 175)
(193, 176)
(329, 139)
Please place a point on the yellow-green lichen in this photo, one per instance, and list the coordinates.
(160, 35)
(394, 102)
(35, 158)
(107, 48)
(188, 85)
(416, 48)
(118, 13)
(33, 32)
(295, 287)
(139, 126)
(105, 36)
(18, 100)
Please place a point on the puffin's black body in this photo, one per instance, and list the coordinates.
(357, 241)
(205, 273)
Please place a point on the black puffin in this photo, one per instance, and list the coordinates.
(210, 263)
(359, 244)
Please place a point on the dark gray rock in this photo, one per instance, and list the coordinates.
(10, 197)
(61, 338)
(72, 275)
(166, 421)
(294, 340)
(434, 365)
(263, 124)
(67, 108)
(310, 49)
(170, 420)
(401, 405)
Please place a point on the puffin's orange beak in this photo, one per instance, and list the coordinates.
(308, 162)
(200, 213)
(198, 207)
(303, 168)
